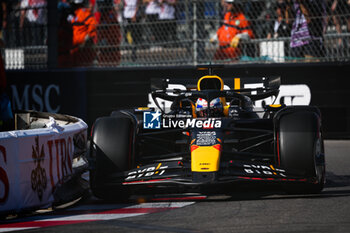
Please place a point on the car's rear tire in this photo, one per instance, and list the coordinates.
(301, 149)
(111, 153)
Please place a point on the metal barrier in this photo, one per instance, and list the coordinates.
(185, 35)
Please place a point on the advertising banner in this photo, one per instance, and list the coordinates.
(33, 163)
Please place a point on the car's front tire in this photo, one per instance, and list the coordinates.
(301, 149)
(111, 153)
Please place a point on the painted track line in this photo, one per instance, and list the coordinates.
(89, 213)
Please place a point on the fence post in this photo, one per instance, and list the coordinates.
(195, 44)
(200, 31)
(52, 33)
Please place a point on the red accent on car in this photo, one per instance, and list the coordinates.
(146, 181)
(278, 150)
(218, 147)
(130, 149)
(193, 147)
(179, 198)
(92, 129)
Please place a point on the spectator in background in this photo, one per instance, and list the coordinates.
(340, 10)
(152, 15)
(258, 13)
(108, 32)
(308, 28)
(234, 28)
(84, 34)
(167, 21)
(279, 27)
(33, 22)
(133, 29)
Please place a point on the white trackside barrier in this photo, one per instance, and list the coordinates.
(37, 160)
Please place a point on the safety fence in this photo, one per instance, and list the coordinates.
(184, 32)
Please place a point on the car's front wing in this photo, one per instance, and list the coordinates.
(179, 173)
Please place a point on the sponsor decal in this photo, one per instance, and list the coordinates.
(146, 172)
(38, 176)
(151, 120)
(3, 177)
(263, 170)
(62, 149)
(46, 170)
(38, 163)
(37, 97)
(206, 138)
(290, 95)
(209, 123)
(155, 120)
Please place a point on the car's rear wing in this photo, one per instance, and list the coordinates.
(231, 81)
(255, 88)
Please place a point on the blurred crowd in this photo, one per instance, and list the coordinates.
(303, 22)
(93, 30)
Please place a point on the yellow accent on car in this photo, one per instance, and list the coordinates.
(226, 108)
(204, 80)
(205, 159)
(213, 77)
(237, 83)
(143, 108)
(275, 105)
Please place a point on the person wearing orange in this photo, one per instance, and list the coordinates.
(235, 28)
(84, 34)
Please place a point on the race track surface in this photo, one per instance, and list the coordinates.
(248, 209)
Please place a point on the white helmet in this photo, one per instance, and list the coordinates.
(201, 104)
(230, 1)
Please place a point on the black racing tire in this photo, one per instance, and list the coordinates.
(301, 150)
(111, 153)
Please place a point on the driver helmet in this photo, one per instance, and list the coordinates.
(201, 107)
(216, 107)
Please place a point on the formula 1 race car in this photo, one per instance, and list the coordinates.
(209, 136)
